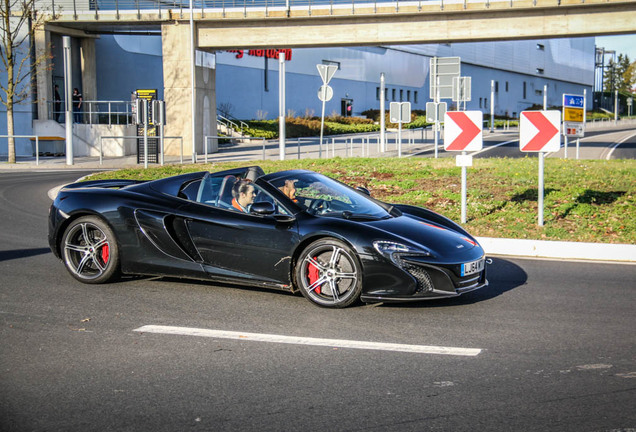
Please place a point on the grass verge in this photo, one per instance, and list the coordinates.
(587, 201)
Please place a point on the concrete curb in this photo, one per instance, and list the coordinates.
(620, 253)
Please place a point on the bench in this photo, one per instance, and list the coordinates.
(50, 145)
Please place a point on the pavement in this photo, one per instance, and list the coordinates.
(603, 252)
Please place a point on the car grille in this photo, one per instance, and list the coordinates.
(424, 283)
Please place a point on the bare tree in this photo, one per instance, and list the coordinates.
(18, 22)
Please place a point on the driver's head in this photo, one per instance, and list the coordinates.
(289, 189)
(243, 191)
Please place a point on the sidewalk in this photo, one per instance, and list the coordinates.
(618, 253)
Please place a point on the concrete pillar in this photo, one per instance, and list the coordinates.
(89, 71)
(175, 38)
(43, 73)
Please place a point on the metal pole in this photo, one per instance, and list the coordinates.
(145, 119)
(541, 171)
(545, 97)
(400, 138)
(492, 106)
(161, 143)
(565, 145)
(322, 116)
(382, 112)
(66, 40)
(437, 99)
(615, 106)
(281, 104)
(192, 83)
(463, 191)
(37, 150)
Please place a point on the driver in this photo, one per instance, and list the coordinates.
(243, 193)
(289, 189)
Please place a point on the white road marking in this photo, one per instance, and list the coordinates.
(485, 149)
(298, 340)
(609, 155)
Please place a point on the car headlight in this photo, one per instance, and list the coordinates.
(389, 249)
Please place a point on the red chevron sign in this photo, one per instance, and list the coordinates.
(462, 130)
(539, 131)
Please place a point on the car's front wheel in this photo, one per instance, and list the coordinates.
(328, 273)
(89, 250)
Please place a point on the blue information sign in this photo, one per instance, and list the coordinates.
(574, 101)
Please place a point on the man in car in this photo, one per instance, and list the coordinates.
(243, 193)
(289, 189)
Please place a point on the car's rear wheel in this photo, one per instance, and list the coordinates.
(89, 250)
(328, 273)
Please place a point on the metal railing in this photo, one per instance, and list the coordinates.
(230, 124)
(165, 9)
(37, 144)
(94, 112)
(135, 137)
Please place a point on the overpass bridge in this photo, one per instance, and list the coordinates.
(231, 24)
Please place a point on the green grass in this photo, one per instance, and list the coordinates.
(588, 201)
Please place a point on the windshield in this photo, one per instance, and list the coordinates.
(323, 196)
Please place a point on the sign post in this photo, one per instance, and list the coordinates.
(325, 93)
(539, 132)
(400, 112)
(573, 120)
(463, 132)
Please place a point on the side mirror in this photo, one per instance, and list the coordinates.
(263, 208)
(364, 190)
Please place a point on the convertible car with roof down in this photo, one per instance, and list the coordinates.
(292, 230)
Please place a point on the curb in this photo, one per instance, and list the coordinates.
(619, 253)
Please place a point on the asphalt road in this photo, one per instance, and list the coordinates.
(557, 341)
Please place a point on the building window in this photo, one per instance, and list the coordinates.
(540, 71)
(377, 93)
(401, 95)
(538, 92)
(408, 95)
(480, 100)
(540, 47)
(496, 86)
(386, 94)
(506, 86)
(331, 62)
(393, 94)
(524, 90)
(415, 96)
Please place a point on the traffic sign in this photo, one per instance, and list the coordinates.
(326, 72)
(435, 111)
(442, 72)
(462, 89)
(463, 130)
(325, 93)
(574, 101)
(539, 131)
(573, 114)
(400, 112)
(573, 129)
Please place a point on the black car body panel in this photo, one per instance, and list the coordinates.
(184, 226)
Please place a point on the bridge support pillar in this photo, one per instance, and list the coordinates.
(175, 40)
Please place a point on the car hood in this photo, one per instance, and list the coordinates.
(442, 241)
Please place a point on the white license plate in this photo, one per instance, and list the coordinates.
(473, 267)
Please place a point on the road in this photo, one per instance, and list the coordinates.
(556, 348)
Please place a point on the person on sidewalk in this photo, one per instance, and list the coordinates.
(77, 105)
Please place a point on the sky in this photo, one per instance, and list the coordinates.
(625, 44)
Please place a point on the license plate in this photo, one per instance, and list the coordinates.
(473, 267)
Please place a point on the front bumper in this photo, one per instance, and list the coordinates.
(412, 279)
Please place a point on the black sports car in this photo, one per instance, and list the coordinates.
(291, 230)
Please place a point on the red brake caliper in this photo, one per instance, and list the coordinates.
(105, 253)
(313, 274)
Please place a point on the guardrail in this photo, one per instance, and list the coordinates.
(94, 112)
(165, 9)
(37, 144)
(161, 139)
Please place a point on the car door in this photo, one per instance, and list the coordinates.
(243, 245)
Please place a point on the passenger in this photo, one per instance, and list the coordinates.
(243, 193)
(289, 189)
